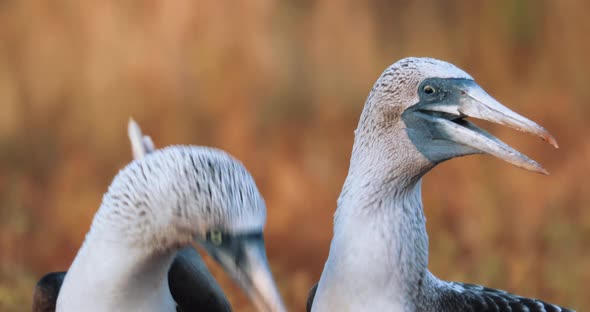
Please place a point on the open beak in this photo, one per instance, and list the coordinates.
(467, 99)
(244, 259)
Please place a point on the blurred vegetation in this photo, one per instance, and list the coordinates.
(280, 85)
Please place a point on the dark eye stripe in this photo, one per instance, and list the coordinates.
(226, 238)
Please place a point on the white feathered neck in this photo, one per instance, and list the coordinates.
(153, 207)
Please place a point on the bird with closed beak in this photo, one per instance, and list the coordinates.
(187, 273)
(157, 205)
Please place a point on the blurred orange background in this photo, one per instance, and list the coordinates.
(280, 85)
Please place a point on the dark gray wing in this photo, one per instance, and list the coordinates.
(191, 284)
(46, 291)
(310, 297)
(476, 298)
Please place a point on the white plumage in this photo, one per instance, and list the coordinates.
(164, 201)
(413, 119)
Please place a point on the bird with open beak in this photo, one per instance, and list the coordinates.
(415, 117)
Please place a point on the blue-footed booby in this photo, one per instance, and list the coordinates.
(187, 272)
(154, 207)
(414, 118)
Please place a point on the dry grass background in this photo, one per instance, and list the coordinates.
(280, 85)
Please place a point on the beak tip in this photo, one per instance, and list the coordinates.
(552, 141)
(548, 137)
(535, 167)
(542, 170)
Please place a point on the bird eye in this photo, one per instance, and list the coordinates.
(428, 89)
(216, 237)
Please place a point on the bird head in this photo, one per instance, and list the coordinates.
(427, 102)
(232, 224)
(230, 214)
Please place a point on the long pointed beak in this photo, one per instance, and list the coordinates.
(260, 285)
(479, 104)
(245, 260)
(469, 100)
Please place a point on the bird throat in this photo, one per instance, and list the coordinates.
(380, 245)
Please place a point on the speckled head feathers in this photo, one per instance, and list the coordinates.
(381, 135)
(399, 82)
(397, 89)
(185, 189)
